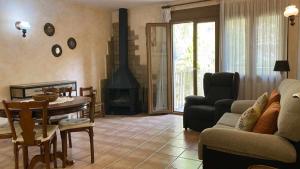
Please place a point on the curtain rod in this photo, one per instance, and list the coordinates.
(187, 3)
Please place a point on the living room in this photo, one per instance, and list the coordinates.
(150, 84)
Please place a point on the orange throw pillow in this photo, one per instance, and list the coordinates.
(274, 97)
(267, 123)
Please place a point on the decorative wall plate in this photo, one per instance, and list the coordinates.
(56, 50)
(49, 29)
(72, 43)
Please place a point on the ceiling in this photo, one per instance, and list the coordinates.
(114, 4)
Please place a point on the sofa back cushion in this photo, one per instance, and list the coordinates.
(289, 116)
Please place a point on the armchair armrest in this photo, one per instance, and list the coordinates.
(195, 100)
(240, 106)
(263, 146)
(222, 106)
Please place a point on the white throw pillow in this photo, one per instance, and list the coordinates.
(249, 118)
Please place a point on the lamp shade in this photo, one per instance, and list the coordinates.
(291, 10)
(282, 66)
(22, 25)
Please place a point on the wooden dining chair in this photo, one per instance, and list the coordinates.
(80, 124)
(30, 134)
(87, 92)
(63, 91)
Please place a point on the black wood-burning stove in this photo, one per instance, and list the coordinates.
(122, 89)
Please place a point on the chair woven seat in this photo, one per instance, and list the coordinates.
(66, 124)
(51, 130)
(56, 119)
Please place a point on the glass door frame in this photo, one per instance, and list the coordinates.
(195, 33)
(149, 67)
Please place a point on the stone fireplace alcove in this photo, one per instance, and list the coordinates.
(138, 71)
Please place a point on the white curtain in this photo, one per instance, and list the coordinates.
(166, 15)
(253, 37)
(162, 90)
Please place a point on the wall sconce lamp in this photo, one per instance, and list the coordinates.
(23, 26)
(291, 12)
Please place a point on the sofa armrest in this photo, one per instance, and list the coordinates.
(240, 106)
(195, 100)
(263, 146)
(222, 106)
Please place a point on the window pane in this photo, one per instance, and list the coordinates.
(206, 51)
(182, 63)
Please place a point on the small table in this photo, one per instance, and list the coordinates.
(77, 104)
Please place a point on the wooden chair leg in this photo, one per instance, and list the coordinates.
(70, 139)
(91, 134)
(47, 154)
(16, 153)
(54, 151)
(63, 136)
(25, 156)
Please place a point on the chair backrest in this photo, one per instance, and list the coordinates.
(89, 92)
(86, 91)
(221, 86)
(24, 111)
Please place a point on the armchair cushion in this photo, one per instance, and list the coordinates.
(201, 112)
(248, 144)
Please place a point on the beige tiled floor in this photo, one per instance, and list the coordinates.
(141, 142)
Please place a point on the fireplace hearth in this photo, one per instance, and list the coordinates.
(122, 89)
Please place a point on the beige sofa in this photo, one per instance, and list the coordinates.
(223, 144)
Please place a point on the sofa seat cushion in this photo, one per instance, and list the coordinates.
(262, 146)
(229, 119)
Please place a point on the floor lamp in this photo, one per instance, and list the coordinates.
(290, 12)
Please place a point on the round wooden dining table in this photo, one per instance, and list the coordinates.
(77, 104)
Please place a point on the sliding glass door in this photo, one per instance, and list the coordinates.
(206, 52)
(183, 60)
(194, 46)
(158, 45)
